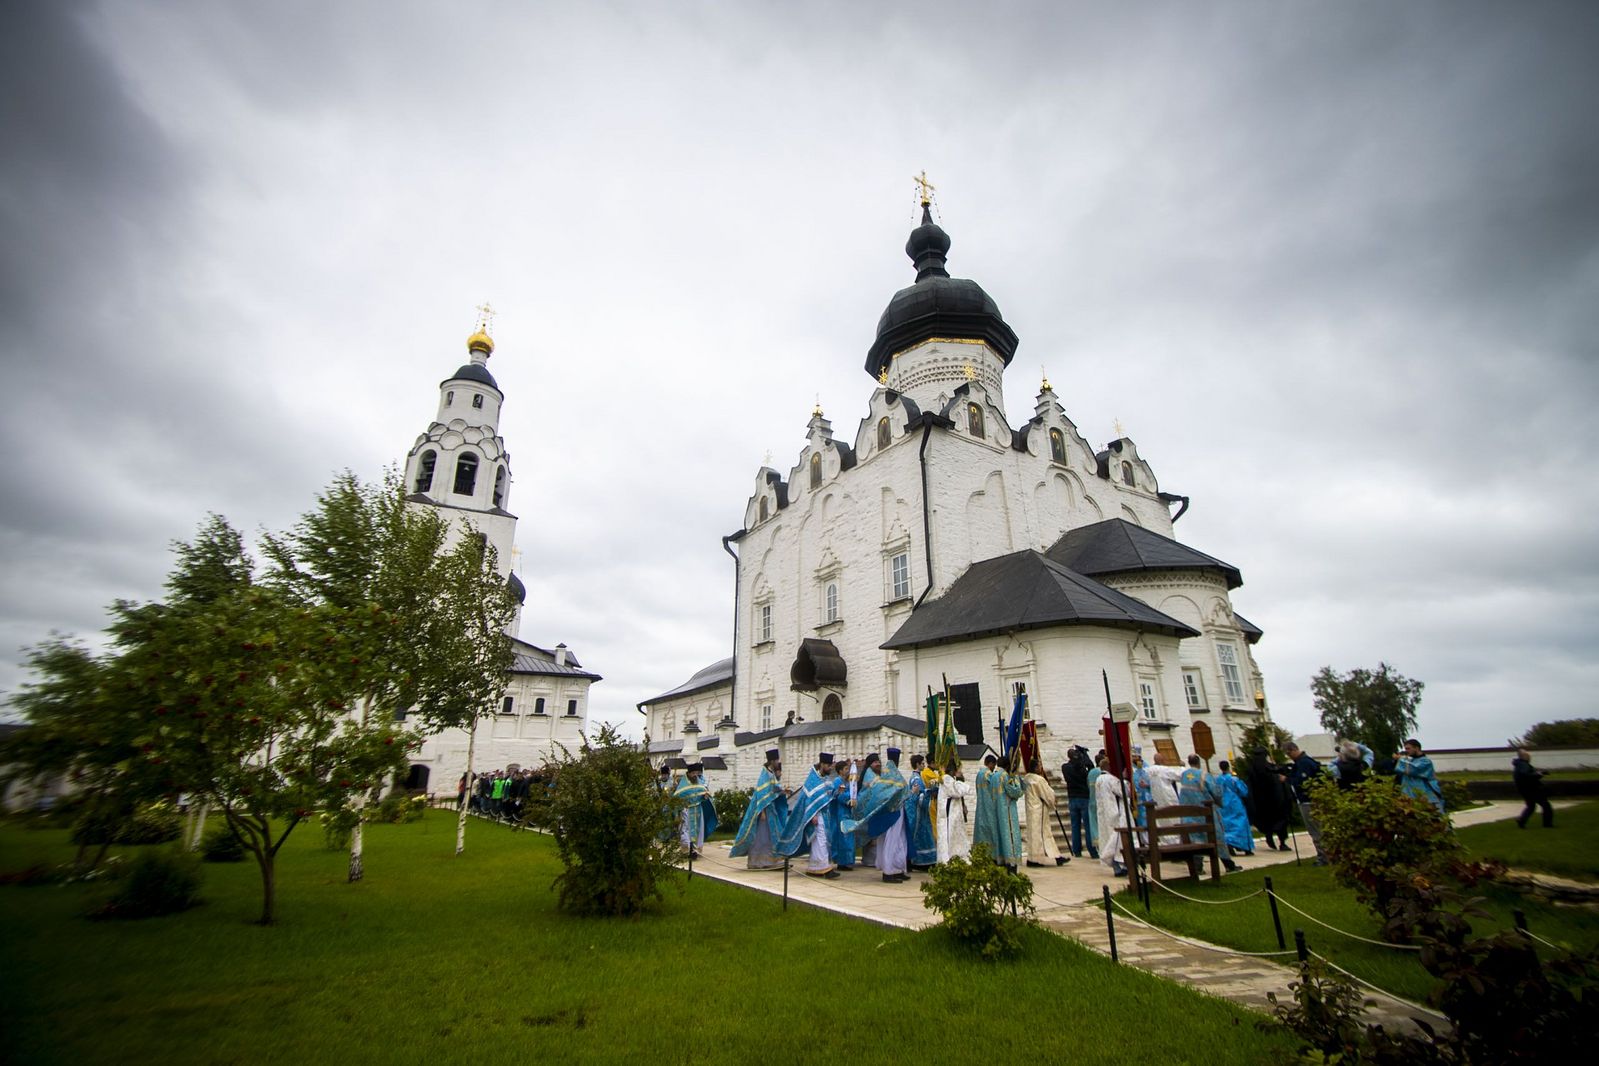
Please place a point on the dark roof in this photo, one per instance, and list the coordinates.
(714, 762)
(1025, 590)
(517, 589)
(741, 739)
(532, 659)
(658, 746)
(473, 372)
(816, 664)
(422, 497)
(714, 742)
(899, 723)
(1117, 546)
(717, 674)
(1252, 632)
(937, 305)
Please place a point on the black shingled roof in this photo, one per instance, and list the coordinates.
(1117, 546)
(708, 677)
(899, 723)
(1025, 590)
(1252, 632)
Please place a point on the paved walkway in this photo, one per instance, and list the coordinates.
(1068, 900)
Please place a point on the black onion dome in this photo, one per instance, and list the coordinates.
(517, 590)
(937, 305)
(475, 372)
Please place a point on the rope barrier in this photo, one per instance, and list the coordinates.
(1412, 1004)
(1345, 932)
(1198, 943)
(1207, 902)
(1541, 940)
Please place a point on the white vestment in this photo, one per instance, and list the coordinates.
(821, 858)
(1108, 798)
(954, 826)
(891, 854)
(1038, 831)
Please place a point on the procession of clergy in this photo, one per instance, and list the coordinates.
(935, 815)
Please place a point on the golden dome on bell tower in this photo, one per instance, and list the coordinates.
(480, 342)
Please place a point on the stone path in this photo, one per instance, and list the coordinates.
(1068, 900)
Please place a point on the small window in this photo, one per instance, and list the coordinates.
(1127, 474)
(466, 475)
(885, 435)
(508, 707)
(477, 400)
(816, 471)
(1057, 446)
(830, 602)
(538, 705)
(499, 487)
(766, 510)
(424, 471)
(899, 572)
(763, 623)
(449, 398)
(1146, 698)
(766, 716)
(669, 724)
(833, 708)
(1231, 678)
(571, 708)
(974, 419)
(1194, 690)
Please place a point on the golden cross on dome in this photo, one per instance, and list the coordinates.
(882, 376)
(485, 317)
(768, 460)
(926, 188)
(1120, 432)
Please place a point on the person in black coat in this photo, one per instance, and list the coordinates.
(1268, 805)
(1529, 782)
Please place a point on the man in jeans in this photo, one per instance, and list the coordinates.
(1075, 771)
(1302, 771)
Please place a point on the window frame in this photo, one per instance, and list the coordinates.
(468, 462)
(427, 466)
(1194, 693)
(571, 708)
(899, 576)
(538, 707)
(1148, 701)
(1227, 658)
(508, 705)
(763, 623)
(830, 603)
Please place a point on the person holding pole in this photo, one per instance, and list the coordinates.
(1039, 796)
(954, 815)
(1112, 816)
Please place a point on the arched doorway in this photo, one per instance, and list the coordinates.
(417, 779)
(832, 707)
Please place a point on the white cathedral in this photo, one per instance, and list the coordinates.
(460, 466)
(941, 541)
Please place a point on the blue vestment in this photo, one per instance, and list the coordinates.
(1419, 780)
(880, 799)
(1093, 808)
(1144, 792)
(813, 798)
(1230, 792)
(919, 822)
(843, 844)
(699, 813)
(768, 806)
(997, 825)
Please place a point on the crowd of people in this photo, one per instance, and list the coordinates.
(500, 794)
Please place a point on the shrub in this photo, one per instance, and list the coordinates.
(731, 803)
(981, 902)
(337, 825)
(612, 831)
(154, 823)
(398, 808)
(1268, 735)
(1457, 796)
(221, 844)
(1382, 843)
(159, 881)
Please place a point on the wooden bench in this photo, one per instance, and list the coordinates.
(1169, 837)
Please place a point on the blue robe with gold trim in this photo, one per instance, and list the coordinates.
(768, 811)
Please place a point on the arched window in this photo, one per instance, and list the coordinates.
(477, 400)
(766, 510)
(832, 707)
(974, 419)
(1057, 446)
(816, 471)
(1127, 474)
(830, 602)
(885, 435)
(424, 471)
(499, 487)
(466, 475)
(449, 398)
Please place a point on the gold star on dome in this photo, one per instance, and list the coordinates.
(882, 376)
(970, 371)
(1120, 432)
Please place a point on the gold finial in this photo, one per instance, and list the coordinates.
(1120, 432)
(925, 187)
(480, 341)
(1045, 387)
(970, 371)
(816, 412)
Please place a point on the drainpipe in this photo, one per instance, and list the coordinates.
(732, 690)
(927, 514)
(1170, 498)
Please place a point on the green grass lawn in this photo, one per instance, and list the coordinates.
(437, 959)
(1247, 926)
(1570, 849)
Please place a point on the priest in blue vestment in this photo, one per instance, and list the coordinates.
(919, 819)
(1230, 792)
(808, 823)
(1193, 789)
(997, 823)
(881, 806)
(764, 819)
(699, 813)
(842, 813)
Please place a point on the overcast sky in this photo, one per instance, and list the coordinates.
(1334, 267)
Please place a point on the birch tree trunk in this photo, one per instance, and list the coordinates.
(466, 798)
(199, 827)
(356, 869)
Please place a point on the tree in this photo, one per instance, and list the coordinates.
(1268, 735)
(426, 620)
(1566, 733)
(613, 828)
(1376, 708)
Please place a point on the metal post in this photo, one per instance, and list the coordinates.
(1110, 924)
(1520, 918)
(785, 882)
(1299, 945)
(691, 861)
(1276, 919)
